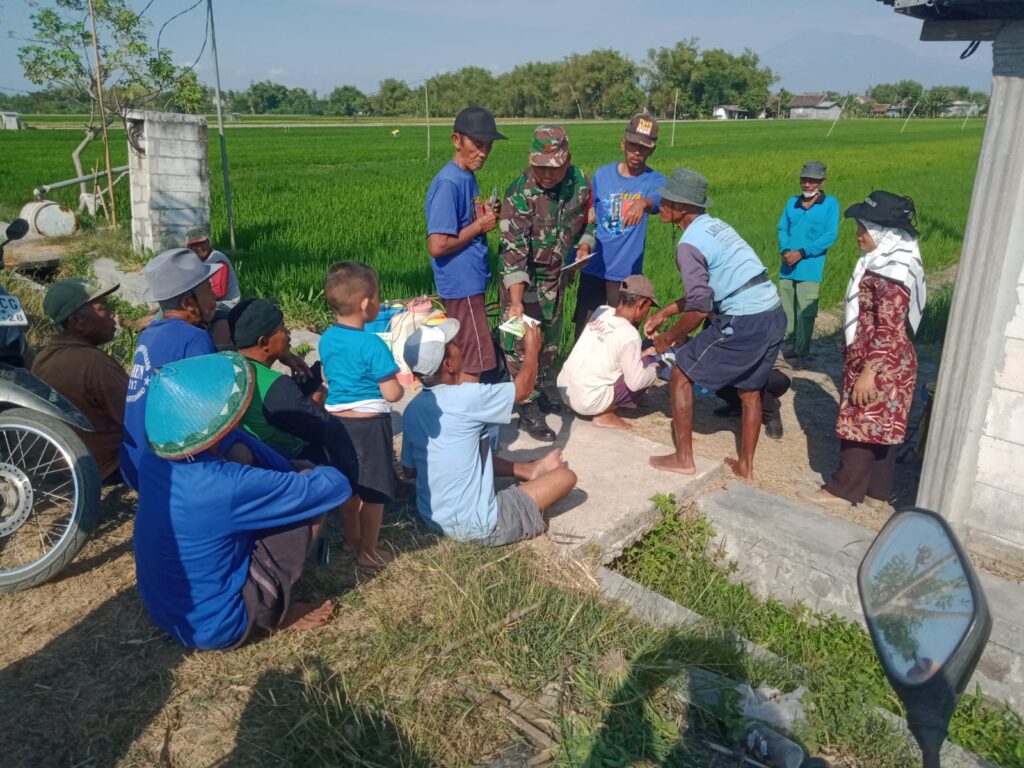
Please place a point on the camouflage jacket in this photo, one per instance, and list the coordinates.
(539, 228)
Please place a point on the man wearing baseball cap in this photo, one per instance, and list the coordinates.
(224, 283)
(606, 369)
(448, 435)
(74, 365)
(543, 225)
(458, 221)
(180, 283)
(727, 290)
(623, 193)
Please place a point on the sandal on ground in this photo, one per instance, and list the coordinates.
(827, 502)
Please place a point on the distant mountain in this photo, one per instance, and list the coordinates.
(836, 61)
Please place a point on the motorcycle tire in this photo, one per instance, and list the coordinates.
(50, 487)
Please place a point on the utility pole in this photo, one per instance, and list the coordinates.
(220, 126)
(426, 103)
(103, 115)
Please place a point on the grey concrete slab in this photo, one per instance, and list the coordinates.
(797, 553)
(611, 507)
(133, 285)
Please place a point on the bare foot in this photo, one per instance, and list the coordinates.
(301, 616)
(610, 420)
(671, 463)
(739, 468)
(549, 462)
(376, 559)
(350, 548)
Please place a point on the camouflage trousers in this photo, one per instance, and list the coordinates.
(542, 301)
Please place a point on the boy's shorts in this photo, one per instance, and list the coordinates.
(370, 466)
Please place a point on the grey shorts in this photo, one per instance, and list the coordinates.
(519, 518)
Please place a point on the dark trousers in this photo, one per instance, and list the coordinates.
(865, 469)
(777, 385)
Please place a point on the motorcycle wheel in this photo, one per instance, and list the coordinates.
(49, 497)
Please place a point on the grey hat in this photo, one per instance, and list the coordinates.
(686, 186)
(175, 272)
(813, 169)
(424, 349)
(65, 297)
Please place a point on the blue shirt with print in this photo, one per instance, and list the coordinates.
(620, 251)
(450, 208)
(811, 230)
(355, 362)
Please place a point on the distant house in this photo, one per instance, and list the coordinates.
(879, 110)
(10, 121)
(813, 106)
(961, 109)
(730, 112)
(899, 109)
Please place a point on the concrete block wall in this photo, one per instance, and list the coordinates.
(170, 178)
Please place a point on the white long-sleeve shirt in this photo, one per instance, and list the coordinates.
(608, 348)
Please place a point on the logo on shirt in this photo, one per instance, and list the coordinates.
(615, 206)
(142, 374)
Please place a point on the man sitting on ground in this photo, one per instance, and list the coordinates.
(448, 433)
(224, 283)
(606, 369)
(74, 365)
(219, 545)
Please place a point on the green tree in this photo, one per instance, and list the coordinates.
(526, 91)
(603, 83)
(454, 91)
(668, 72)
(720, 77)
(933, 102)
(347, 100)
(394, 98)
(265, 97)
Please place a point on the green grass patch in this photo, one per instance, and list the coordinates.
(681, 560)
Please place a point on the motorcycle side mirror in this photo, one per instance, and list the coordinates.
(928, 619)
(16, 230)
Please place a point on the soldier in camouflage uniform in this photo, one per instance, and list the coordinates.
(544, 219)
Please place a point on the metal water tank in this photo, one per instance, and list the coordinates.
(50, 219)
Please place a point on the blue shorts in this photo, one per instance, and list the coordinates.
(734, 350)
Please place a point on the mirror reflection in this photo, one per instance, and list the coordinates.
(917, 597)
(17, 229)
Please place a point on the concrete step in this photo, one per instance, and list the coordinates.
(797, 553)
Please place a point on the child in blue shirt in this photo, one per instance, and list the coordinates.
(362, 382)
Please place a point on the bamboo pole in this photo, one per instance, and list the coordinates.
(103, 116)
(675, 107)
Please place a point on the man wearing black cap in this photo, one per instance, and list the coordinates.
(457, 225)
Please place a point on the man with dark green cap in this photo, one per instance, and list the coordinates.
(74, 365)
(543, 224)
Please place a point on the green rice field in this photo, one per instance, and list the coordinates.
(306, 197)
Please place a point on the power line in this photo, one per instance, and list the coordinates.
(175, 16)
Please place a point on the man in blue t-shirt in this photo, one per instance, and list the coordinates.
(180, 283)
(448, 432)
(623, 194)
(457, 225)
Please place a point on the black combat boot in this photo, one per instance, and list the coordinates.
(773, 427)
(532, 420)
(549, 404)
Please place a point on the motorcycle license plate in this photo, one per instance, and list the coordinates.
(11, 312)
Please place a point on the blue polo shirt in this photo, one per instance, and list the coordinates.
(811, 230)
(451, 207)
(620, 251)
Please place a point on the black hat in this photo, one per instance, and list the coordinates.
(251, 319)
(477, 123)
(885, 209)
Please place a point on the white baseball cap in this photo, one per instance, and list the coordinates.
(424, 349)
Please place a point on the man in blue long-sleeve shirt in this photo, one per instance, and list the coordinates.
(808, 227)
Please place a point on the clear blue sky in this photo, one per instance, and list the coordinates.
(844, 45)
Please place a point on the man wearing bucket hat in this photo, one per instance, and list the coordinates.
(543, 225)
(449, 432)
(218, 545)
(728, 291)
(73, 364)
(808, 227)
(180, 283)
(458, 221)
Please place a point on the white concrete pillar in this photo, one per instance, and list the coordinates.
(974, 465)
(170, 177)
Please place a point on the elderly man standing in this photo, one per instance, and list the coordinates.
(73, 364)
(543, 228)
(727, 286)
(457, 225)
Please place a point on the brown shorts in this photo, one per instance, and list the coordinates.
(474, 338)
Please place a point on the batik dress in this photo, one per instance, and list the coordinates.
(883, 343)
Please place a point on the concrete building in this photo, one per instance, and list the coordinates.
(730, 112)
(813, 106)
(10, 121)
(170, 177)
(961, 109)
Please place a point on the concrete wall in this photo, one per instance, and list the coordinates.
(170, 178)
(814, 113)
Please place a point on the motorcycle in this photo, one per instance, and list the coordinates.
(49, 483)
(928, 619)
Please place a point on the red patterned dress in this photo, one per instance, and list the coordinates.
(883, 343)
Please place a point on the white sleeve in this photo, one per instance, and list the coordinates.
(636, 376)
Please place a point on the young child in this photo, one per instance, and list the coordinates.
(606, 369)
(362, 383)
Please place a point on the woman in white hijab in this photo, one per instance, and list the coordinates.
(886, 295)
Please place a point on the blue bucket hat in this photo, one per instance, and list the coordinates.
(193, 403)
